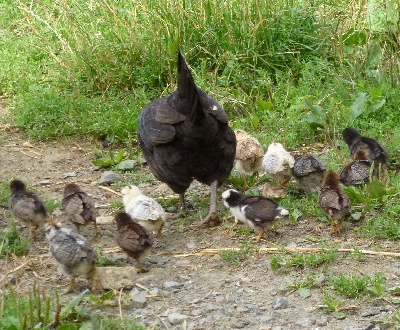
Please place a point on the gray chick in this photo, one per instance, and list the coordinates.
(309, 172)
(78, 207)
(133, 238)
(358, 171)
(27, 206)
(73, 254)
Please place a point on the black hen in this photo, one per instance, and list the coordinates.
(186, 136)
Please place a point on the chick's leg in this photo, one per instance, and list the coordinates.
(95, 283)
(71, 287)
(32, 230)
(212, 215)
(260, 235)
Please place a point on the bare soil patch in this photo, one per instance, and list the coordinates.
(211, 293)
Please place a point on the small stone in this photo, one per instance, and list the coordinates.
(196, 312)
(176, 318)
(140, 299)
(154, 291)
(108, 177)
(304, 322)
(191, 244)
(220, 299)
(155, 259)
(279, 303)
(172, 285)
(266, 318)
(117, 277)
(321, 321)
(194, 301)
(44, 183)
(11, 279)
(69, 175)
(210, 307)
(105, 220)
(370, 312)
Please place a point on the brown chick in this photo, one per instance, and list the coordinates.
(334, 201)
(73, 254)
(133, 238)
(358, 171)
(78, 207)
(27, 206)
(249, 154)
(309, 172)
(373, 150)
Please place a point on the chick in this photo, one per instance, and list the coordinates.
(309, 172)
(78, 207)
(278, 163)
(133, 238)
(186, 136)
(358, 171)
(73, 254)
(145, 210)
(373, 150)
(257, 212)
(334, 201)
(249, 154)
(27, 206)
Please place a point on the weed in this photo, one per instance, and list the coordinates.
(303, 260)
(104, 260)
(4, 194)
(52, 204)
(235, 257)
(334, 305)
(11, 242)
(354, 286)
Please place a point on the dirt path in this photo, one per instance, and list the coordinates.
(207, 292)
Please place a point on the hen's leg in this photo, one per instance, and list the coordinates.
(212, 215)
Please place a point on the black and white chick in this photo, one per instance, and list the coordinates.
(185, 137)
(78, 207)
(257, 212)
(134, 239)
(309, 172)
(27, 206)
(145, 210)
(373, 150)
(73, 254)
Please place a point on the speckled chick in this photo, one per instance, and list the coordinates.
(257, 212)
(78, 207)
(27, 206)
(334, 201)
(358, 171)
(73, 254)
(373, 150)
(278, 163)
(145, 210)
(249, 153)
(309, 172)
(134, 239)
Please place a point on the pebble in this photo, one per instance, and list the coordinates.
(69, 175)
(155, 259)
(172, 285)
(196, 312)
(279, 303)
(140, 300)
(370, 312)
(321, 321)
(176, 318)
(108, 177)
(117, 277)
(304, 322)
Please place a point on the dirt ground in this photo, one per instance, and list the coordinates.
(209, 292)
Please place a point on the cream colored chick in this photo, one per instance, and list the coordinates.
(145, 210)
(249, 153)
(278, 163)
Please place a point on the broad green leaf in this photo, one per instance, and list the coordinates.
(125, 165)
(376, 189)
(295, 214)
(103, 162)
(264, 105)
(68, 326)
(339, 315)
(356, 215)
(354, 37)
(357, 108)
(119, 156)
(395, 291)
(73, 303)
(304, 292)
(376, 289)
(317, 116)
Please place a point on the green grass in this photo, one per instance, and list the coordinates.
(36, 310)
(11, 242)
(4, 194)
(355, 286)
(236, 257)
(297, 260)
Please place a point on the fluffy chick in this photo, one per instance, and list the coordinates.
(27, 206)
(78, 207)
(73, 254)
(257, 212)
(309, 172)
(145, 210)
(249, 153)
(358, 171)
(278, 163)
(133, 238)
(334, 201)
(373, 150)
